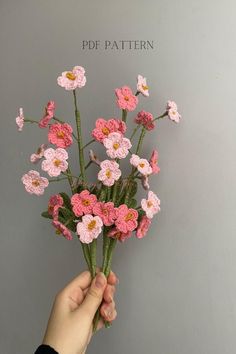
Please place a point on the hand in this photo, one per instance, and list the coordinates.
(70, 325)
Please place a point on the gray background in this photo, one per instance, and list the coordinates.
(177, 286)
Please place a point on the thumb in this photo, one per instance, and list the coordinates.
(94, 295)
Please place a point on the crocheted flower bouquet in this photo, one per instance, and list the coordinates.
(109, 206)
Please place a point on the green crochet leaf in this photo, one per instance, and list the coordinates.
(132, 203)
(46, 215)
(66, 200)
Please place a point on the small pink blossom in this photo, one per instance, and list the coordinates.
(55, 162)
(142, 165)
(104, 127)
(89, 228)
(143, 227)
(142, 85)
(34, 158)
(172, 111)
(109, 172)
(154, 162)
(60, 134)
(145, 119)
(62, 229)
(118, 235)
(83, 202)
(117, 146)
(34, 183)
(20, 120)
(106, 211)
(151, 205)
(126, 218)
(49, 114)
(54, 201)
(73, 79)
(126, 99)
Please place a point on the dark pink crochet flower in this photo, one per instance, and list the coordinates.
(49, 113)
(106, 211)
(105, 127)
(154, 162)
(146, 119)
(143, 227)
(118, 235)
(55, 200)
(62, 229)
(126, 99)
(83, 202)
(126, 218)
(60, 134)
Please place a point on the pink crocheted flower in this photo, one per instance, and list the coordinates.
(34, 158)
(151, 205)
(126, 218)
(109, 172)
(126, 99)
(89, 228)
(105, 127)
(142, 165)
(118, 235)
(62, 229)
(106, 211)
(154, 162)
(34, 183)
(60, 134)
(146, 119)
(73, 79)
(142, 85)
(20, 120)
(117, 146)
(54, 201)
(172, 111)
(49, 114)
(55, 162)
(83, 202)
(143, 227)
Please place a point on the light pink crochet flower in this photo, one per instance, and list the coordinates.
(142, 85)
(49, 114)
(106, 211)
(38, 154)
(146, 119)
(54, 201)
(105, 127)
(60, 134)
(20, 120)
(142, 165)
(62, 229)
(126, 218)
(83, 202)
(73, 79)
(126, 99)
(89, 228)
(154, 162)
(118, 235)
(143, 227)
(117, 146)
(151, 205)
(172, 111)
(109, 172)
(55, 162)
(34, 183)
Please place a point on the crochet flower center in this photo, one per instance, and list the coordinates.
(145, 87)
(36, 182)
(129, 216)
(91, 225)
(116, 146)
(105, 131)
(86, 202)
(57, 162)
(60, 134)
(105, 212)
(126, 98)
(149, 204)
(141, 164)
(108, 173)
(71, 76)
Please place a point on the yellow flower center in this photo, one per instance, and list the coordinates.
(141, 164)
(145, 87)
(149, 204)
(116, 146)
(105, 130)
(38, 151)
(91, 225)
(86, 202)
(129, 216)
(108, 173)
(60, 134)
(173, 112)
(58, 232)
(126, 98)
(36, 182)
(70, 76)
(57, 162)
(104, 211)
(50, 208)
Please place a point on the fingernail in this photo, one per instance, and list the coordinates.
(100, 280)
(117, 281)
(108, 313)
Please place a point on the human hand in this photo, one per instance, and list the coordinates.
(70, 325)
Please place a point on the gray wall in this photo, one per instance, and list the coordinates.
(177, 286)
